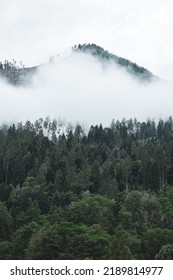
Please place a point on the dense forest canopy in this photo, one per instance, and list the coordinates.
(102, 194)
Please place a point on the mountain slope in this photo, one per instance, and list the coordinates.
(106, 57)
(22, 76)
(17, 76)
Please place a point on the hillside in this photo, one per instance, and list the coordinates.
(21, 76)
(105, 57)
(102, 195)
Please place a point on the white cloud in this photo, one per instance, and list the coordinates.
(141, 31)
(77, 88)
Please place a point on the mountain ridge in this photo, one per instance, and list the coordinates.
(17, 76)
(105, 56)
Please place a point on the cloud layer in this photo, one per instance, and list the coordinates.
(79, 89)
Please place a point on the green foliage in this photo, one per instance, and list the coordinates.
(6, 250)
(153, 210)
(165, 253)
(102, 194)
(94, 209)
(154, 240)
(22, 237)
(95, 177)
(68, 241)
(166, 200)
(120, 243)
(5, 222)
(132, 215)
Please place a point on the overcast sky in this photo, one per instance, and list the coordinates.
(142, 31)
(76, 89)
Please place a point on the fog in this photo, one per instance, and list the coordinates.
(78, 88)
(139, 30)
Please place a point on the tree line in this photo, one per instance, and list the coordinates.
(8, 65)
(107, 57)
(105, 193)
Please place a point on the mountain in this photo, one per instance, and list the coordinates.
(20, 76)
(105, 57)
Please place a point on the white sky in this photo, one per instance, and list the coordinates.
(142, 31)
(77, 89)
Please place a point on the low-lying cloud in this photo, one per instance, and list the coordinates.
(79, 89)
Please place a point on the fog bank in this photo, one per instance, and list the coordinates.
(79, 89)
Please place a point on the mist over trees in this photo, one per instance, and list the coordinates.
(97, 81)
(106, 57)
(105, 193)
(7, 65)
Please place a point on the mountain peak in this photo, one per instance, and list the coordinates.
(107, 57)
(20, 76)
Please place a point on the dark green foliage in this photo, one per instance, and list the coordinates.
(6, 250)
(165, 253)
(21, 239)
(68, 241)
(93, 209)
(120, 245)
(154, 239)
(5, 222)
(102, 194)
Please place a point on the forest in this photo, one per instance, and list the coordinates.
(104, 193)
